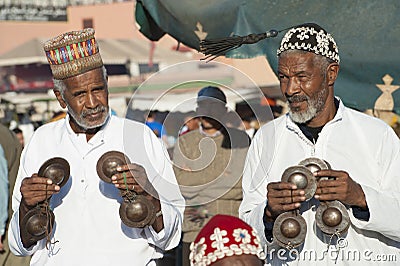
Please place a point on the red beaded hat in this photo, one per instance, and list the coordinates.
(73, 53)
(224, 236)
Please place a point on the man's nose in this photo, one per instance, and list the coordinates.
(91, 101)
(292, 87)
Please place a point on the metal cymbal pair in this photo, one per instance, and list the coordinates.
(302, 175)
(331, 216)
(290, 228)
(135, 210)
(38, 222)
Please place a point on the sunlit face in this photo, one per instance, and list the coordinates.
(192, 123)
(304, 85)
(86, 98)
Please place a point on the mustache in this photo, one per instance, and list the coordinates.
(98, 109)
(296, 98)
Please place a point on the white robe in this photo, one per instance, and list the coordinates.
(87, 222)
(361, 145)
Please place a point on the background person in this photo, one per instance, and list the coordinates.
(191, 122)
(20, 135)
(12, 151)
(208, 163)
(3, 197)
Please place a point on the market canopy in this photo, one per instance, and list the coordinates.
(175, 88)
(367, 33)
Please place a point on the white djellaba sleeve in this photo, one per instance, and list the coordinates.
(254, 186)
(14, 238)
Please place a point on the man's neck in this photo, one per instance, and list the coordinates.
(326, 115)
(79, 130)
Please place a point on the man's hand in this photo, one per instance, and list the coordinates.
(37, 189)
(340, 187)
(134, 177)
(34, 190)
(282, 197)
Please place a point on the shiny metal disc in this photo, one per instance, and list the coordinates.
(315, 164)
(57, 169)
(289, 230)
(138, 213)
(332, 217)
(107, 164)
(303, 178)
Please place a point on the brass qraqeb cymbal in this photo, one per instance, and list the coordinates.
(315, 164)
(107, 164)
(137, 213)
(303, 178)
(332, 217)
(289, 230)
(36, 223)
(57, 169)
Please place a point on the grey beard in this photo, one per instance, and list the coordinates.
(305, 116)
(315, 106)
(79, 119)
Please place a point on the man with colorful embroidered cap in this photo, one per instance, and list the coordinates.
(226, 240)
(87, 228)
(363, 153)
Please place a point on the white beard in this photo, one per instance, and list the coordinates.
(315, 106)
(79, 119)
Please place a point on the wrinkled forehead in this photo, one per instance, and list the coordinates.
(92, 77)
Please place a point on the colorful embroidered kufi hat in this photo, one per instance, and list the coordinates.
(224, 236)
(73, 53)
(312, 38)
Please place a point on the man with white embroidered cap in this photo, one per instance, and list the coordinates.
(362, 152)
(86, 227)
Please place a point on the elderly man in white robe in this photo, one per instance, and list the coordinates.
(87, 228)
(364, 165)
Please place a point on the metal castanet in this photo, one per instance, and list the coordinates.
(289, 230)
(315, 164)
(38, 222)
(303, 178)
(332, 217)
(136, 210)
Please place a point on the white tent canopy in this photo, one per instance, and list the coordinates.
(175, 101)
(175, 88)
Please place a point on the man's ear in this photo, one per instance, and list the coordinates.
(332, 73)
(60, 98)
